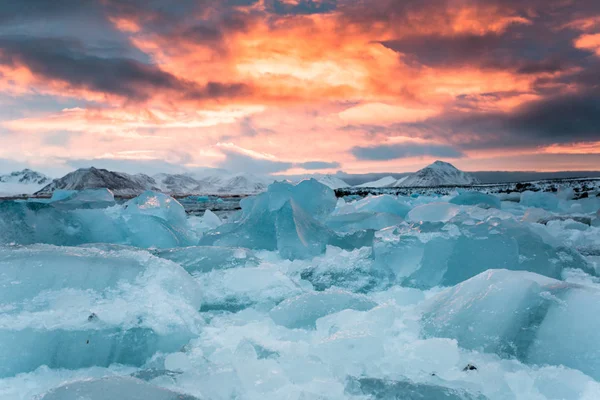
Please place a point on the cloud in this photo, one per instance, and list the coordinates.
(318, 165)
(405, 150)
(71, 62)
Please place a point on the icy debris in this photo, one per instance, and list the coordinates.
(425, 256)
(376, 204)
(547, 201)
(303, 311)
(140, 223)
(159, 205)
(381, 389)
(433, 212)
(83, 307)
(86, 199)
(354, 222)
(201, 259)
(115, 387)
(286, 218)
(519, 314)
(476, 199)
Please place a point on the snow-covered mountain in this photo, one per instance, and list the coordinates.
(119, 183)
(22, 182)
(332, 181)
(233, 184)
(176, 183)
(387, 181)
(437, 174)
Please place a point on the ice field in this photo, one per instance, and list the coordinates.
(301, 296)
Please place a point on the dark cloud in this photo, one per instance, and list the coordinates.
(525, 49)
(318, 165)
(235, 161)
(70, 61)
(302, 6)
(396, 151)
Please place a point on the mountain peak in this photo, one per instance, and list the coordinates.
(439, 173)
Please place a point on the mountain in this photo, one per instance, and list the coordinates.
(22, 182)
(383, 182)
(176, 184)
(119, 183)
(437, 174)
(332, 181)
(232, 184)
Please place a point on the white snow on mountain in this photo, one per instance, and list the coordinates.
(332, 181)
(388, 181)
(22, 182)
(176, 183)
(437, 174)
(121, 184)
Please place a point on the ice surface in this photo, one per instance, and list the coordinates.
(140, 225)
(113, 388)
(380, 389)
(80, 307)
(286, 218)
(376, 204)
(476, 199)
(301, 296)
(304, 310)
(428, 255)
(159, 205)
(535, 319)
(88, 198)
(433, 212)
(547, 201)
(200, 259)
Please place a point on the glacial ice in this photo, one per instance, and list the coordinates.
(200, 259)
(113, 388)
(301, 296)
(520, 314)
(476, 199)
(86, 199)
(547, 201)
(71, 308)
(286, 218)
(304, 310)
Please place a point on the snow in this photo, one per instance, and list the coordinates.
(437, 294)
(22, 182)
(383, 182)
(437, 174)
(333, 182)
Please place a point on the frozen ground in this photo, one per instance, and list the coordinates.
(300, 295)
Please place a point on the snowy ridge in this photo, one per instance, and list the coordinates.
(439, 173)
(383, 182)
(121, 184)
(22, 182)
(333, 182)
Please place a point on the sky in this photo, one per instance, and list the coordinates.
(299, 86)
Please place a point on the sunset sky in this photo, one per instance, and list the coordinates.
(297, 86)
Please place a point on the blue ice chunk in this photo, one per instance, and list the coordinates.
(425, 258)
(378, 204)
(519, 314)
(299, 236)
(303, 311)
(84, 199)
(383, 389)
(547, 201)
(114, 387)
(201, 259)
(353, 222)
(286, 218)
(159, 205)
(68, 307)
(61, 194)
(479, 199)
